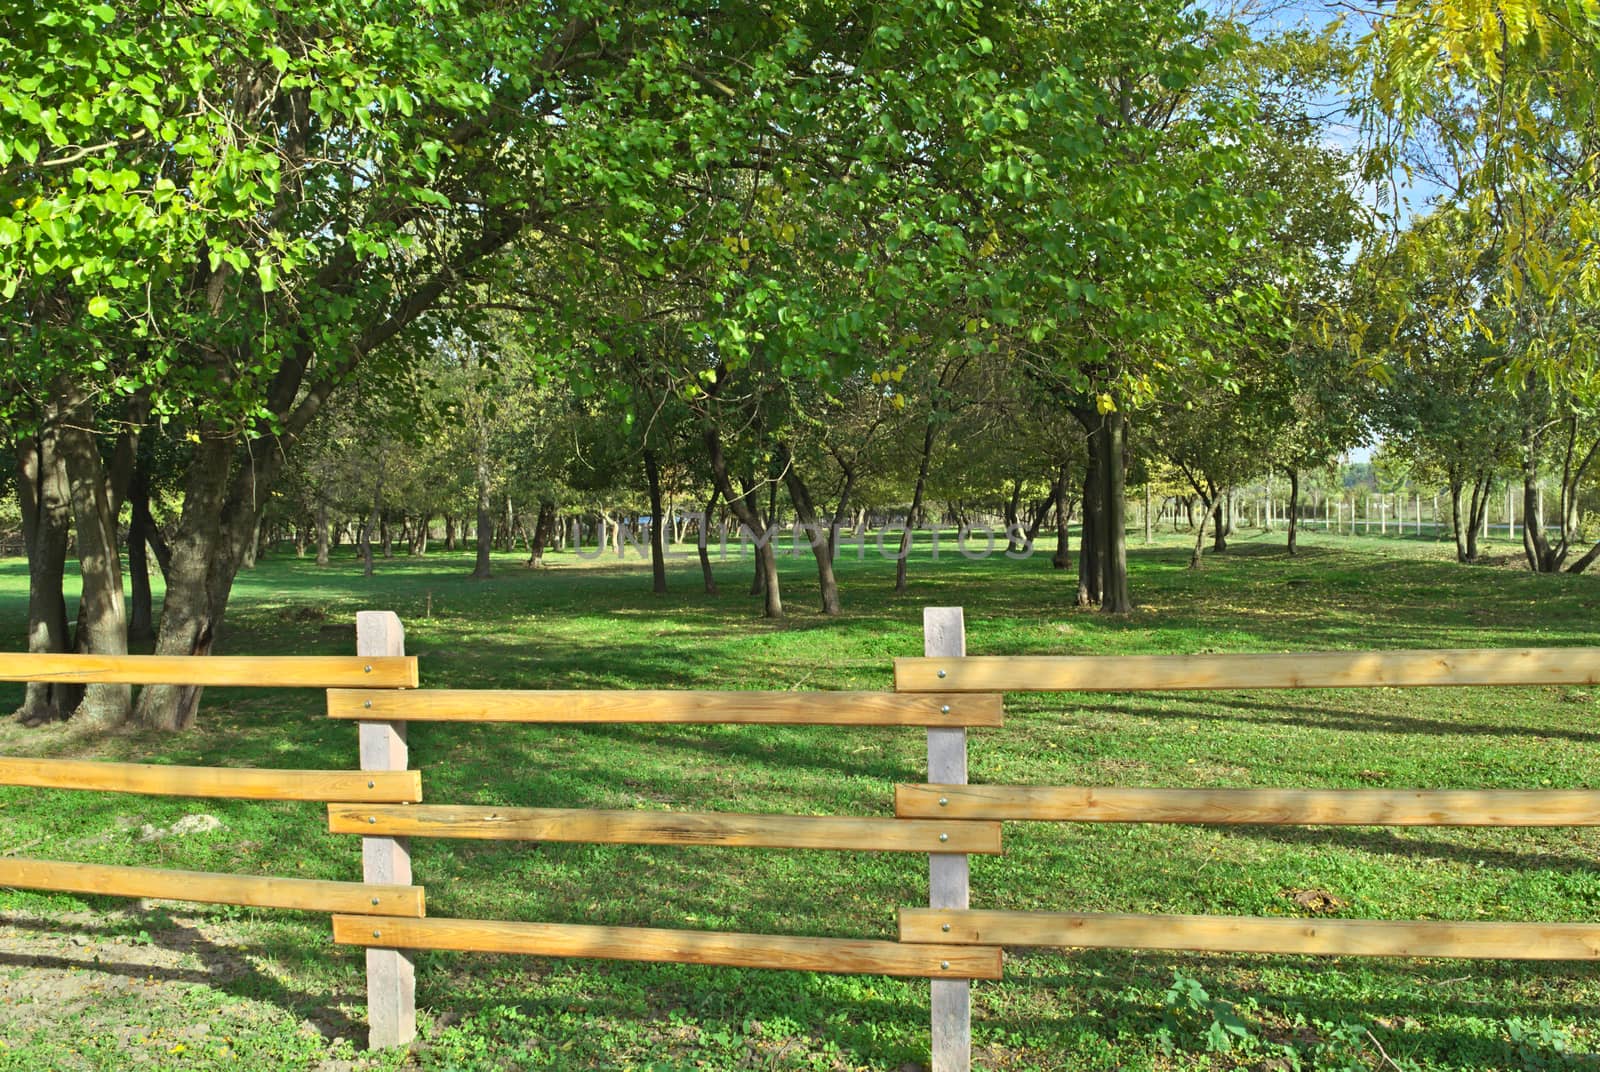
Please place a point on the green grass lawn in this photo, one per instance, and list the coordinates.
(185, 987)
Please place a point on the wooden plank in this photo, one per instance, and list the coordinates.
(668, 705)
(237, 782)
(309, 895)
(391, 975)
(833, 955)
(1256, 934)
(481, 822)
(944, 635)
(255, 671)
(1300, 670)
(1311, 807)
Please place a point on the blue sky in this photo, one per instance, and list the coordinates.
(1411, 192)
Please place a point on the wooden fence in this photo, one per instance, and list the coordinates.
(945, 692)
(1379, 807)
(386, 830)
(314, 895)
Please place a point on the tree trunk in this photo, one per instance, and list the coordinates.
(46, 525)
(544, 527)
(252, 547)
(758, 573)
(1219, 534)
(1573, 470)
(1041, 510)
(322, 533)
(220, 504)
(745, 509)
(374, 519)
(141, 530)
(1480, 515)
(841, 510)
(703, 527)
(658, 558)
(1089, 548)
(1586, 561)
(1063, 511)
(102, 614)
(1195, 561)
(1112, 530)
(481, 569)
(1541, 556)
(449, 532)
(1535, 543)
(1294, 508)
(1013, 519)
(821, 543)
(1459, 521)
(915, 516)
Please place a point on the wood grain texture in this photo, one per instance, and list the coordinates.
(667, 705)
(1310, 807)
(832, 955)
(391, 974)
(665, 828)
(236, 782)
(254, 671)
(310, 895)
(1300, 670)
(944, 634)
(1252, 934)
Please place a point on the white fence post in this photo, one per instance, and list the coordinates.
(944, 634)
(391, 976)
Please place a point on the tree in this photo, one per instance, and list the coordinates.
(1496, 102)
(1110, 169)
(353, 167)
(1440, 393)
(1219, 437)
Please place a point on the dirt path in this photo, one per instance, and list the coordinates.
(151, 988)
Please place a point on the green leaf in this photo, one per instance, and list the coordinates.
(99, 306)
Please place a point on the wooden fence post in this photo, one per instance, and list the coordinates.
(944, 633)
(391, 975)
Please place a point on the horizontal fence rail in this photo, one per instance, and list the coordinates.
(243, 783)
(1309, 807)
(832, 955)
(1308, 670)
(305, 894)
(667, 828)
(667, 705)
(1254, 934)
(252, 671)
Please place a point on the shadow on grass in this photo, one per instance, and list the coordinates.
(225, 970)
(1301, 716)
(1382, 841)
